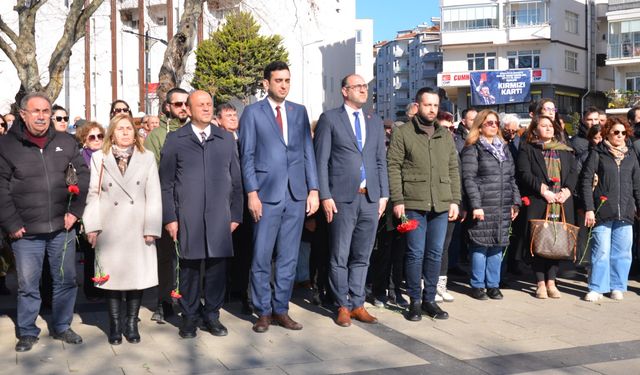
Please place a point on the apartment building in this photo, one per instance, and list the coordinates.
(404, 65)
(623, 39)
(560, 41)
(114, 62)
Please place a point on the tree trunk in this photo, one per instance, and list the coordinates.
(175, 57)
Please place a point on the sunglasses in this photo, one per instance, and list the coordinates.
(119, 110)
(61, 118)
(618, 132)
(549, 109)
(179, 104)
(491, 123)
(94, 137)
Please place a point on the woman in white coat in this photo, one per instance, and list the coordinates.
(122, 219)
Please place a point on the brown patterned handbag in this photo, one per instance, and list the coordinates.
(553, 239)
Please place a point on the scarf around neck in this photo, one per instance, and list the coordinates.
(495, 147)
(618, 153)
(122, 155)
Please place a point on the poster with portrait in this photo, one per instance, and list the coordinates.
(500, 87)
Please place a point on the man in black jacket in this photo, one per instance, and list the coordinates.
(38, 211)
(579, 142)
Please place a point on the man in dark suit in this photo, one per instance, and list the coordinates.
(202, 206)
(354, 189)
(279, 174)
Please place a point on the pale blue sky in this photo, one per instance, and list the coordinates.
(390, 16)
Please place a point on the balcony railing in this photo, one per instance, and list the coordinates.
(624, 50)
(623, 4)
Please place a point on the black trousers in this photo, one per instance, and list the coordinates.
(240, 264)
(166, 267)
(215, 277)
(387, 263)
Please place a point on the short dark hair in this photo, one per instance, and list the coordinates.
(631, 114)
(274, 66)
(25, 99)
(345, 81)
(424, 90)
(175, 90)
(533, 106)
(58, 108)
(590, 110)
(465, 111)
(224, 107)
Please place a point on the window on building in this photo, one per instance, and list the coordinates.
(524, 59)
(567, 102)
(526, 13)
(624, 39)
(633, 81)
(481, 61)
(358, 36)
(470, 18)
(358, 59)
(571, 61)
(571, 22)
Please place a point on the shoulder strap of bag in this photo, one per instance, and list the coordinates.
(100, 178)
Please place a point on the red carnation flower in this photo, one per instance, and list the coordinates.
(104, 278)
(603, 198)
(176, 294)
(96, 279)
(74, 189)
(555, 179)
(406, 224)
(526, 201)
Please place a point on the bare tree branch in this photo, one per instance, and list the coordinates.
(10, 52)
(8, 31)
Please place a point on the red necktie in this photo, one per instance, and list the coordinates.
(279, 118)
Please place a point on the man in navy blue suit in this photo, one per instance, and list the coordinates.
(279, 174)
(354, 190)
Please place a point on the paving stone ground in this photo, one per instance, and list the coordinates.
(518, 335)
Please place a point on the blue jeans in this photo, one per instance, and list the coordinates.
(29, 252)
(424, 253)
(485, 266)
(610, 256)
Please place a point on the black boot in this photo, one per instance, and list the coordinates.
(134, 298)
(114, 298)
(414, 313)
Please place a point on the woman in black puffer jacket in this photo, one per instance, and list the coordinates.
(488, 175)
(611, 208)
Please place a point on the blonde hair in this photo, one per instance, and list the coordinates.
(108, 139)
(474, 133)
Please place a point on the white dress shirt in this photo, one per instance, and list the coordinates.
(197, 131)
(283, 113)
(363, 129)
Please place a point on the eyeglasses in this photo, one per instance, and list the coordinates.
(94, 137)
(62, 118)
(550, 109)
(119, 110)
(362, 86)
(491, 123)
(511, 130)
(179, 104)
(618, 132)
(36, 112)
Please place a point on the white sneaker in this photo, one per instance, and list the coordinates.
(617, 295)
(593, 296)
(441, 290)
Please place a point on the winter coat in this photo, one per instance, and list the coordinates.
(579, 142)
(126, 209)
(155, 140)
(489, 185)
(621, 185)
(33, 191)
(423, 171)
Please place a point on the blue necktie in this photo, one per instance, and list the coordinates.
(359, 139)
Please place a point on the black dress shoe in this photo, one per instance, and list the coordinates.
(479, 294)
(433, 310)
(158, 315)
(216, 328)
(187, 329)
(25, 343)
(414, 313)
(68, 336)
(494, 293)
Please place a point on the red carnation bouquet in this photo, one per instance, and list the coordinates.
(406, 224)
(100, 276)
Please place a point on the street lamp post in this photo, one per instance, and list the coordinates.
(147, 46)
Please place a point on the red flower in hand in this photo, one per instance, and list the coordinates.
(555, 179)
(104, 278)
(96, 279)
(74, 189)
(100, 278)
(406, 225)
(603, 198)
(526, 201)
(176, 294)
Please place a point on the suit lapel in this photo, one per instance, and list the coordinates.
(111, 168)
(371, 131)
(540, 161)
(133, 166)
(271, 118)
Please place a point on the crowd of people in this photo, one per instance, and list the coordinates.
(199, 201)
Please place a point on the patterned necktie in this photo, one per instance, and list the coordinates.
(203, 137)
(279, 118)
(359, 139)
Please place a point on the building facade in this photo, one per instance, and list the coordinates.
(558, 40)
(113, 61)
(623, 39)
